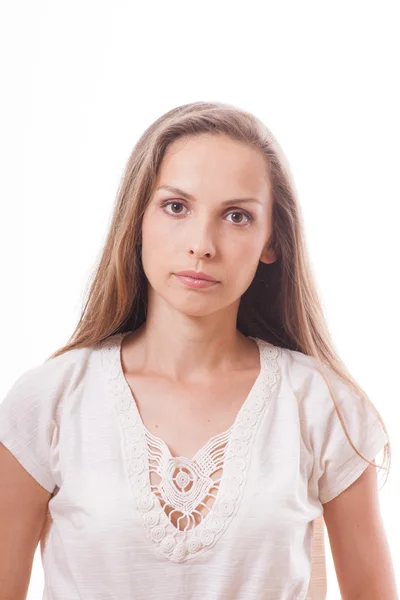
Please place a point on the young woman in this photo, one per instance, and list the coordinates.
(198, 428)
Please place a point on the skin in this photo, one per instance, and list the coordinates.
(190, 334)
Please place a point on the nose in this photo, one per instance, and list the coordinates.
(200, 253)
(201, 243)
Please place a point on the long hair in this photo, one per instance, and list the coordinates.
(281, 306)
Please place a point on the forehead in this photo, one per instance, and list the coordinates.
(216, 161)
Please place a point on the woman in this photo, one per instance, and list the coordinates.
(199, 423)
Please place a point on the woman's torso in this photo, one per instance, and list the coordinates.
(112, 533)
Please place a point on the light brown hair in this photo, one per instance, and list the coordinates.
(281, 305)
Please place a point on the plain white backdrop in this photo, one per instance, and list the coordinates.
(82, 80)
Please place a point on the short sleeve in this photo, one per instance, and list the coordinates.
(28, 423)
(336, 465)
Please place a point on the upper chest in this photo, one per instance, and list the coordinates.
(185, 417)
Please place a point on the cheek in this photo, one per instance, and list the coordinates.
(157, 247)
(151, 225)
(241, 255)
(241, 265)
(157, 232)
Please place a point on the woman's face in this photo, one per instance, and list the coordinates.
(199, 230)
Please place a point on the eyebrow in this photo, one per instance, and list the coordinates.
(179, 192)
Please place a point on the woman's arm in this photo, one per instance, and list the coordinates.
(23, 511)
(358, 542)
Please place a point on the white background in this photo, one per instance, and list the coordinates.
(82, 80)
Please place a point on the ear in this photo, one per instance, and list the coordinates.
(268, 256)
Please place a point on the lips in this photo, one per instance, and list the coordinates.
(195, 282)
(197, 275)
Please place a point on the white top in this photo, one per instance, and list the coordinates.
(73, 424)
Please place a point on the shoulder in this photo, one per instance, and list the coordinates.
(313, 387)
(31, 412)
(46, 383)
(308, 378)
(298, 371)
(317, 388)
(298, 366)
(66, 365)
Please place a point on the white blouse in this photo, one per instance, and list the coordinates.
(73, 424)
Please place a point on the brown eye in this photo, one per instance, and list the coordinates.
(238, 214)
(241, 214)
(172, 204)
(175, 204)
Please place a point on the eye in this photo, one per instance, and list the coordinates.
(241, 212)
(172, 203)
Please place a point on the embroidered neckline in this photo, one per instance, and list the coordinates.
(144, 450)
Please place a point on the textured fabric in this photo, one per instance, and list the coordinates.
(73, 424)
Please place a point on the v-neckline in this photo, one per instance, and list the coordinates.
(172, 543)
(215, 438)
